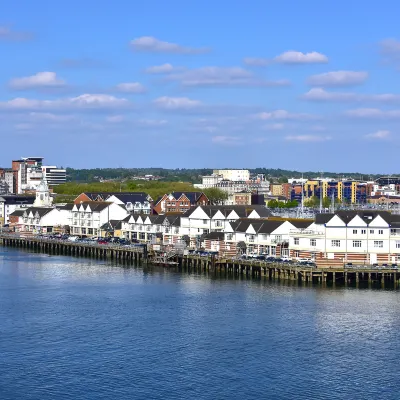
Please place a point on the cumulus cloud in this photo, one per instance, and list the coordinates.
(297, 57)
(338, 78)
(372, 113)
(320, 94)
(176, 103)
(283, 115)
(8, 34)
(84, 101)
(162, 69)
(41, 80)
(154, 45)
(378, 135)
(307, 138)
(130, 87)
(222, 76)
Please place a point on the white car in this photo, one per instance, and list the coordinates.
(286, 258)
(73, 238)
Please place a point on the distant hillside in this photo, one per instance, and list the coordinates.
(194, 175)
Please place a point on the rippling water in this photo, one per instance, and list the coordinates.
(80, 329)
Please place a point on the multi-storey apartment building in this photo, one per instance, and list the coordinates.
(363, 237)
(179, 202)
(53, 175)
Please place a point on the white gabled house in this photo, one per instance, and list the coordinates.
(42, 220)
(87, 218)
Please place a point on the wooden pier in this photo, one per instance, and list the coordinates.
(137, 254)
(229, 267)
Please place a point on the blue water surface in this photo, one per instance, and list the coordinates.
(75, 328)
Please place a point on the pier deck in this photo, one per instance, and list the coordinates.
(250, 268)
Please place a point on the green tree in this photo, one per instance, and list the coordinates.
(216, 196)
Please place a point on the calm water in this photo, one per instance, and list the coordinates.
(79, 329)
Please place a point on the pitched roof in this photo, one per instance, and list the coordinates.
(113, 224)
(192, 196)
(16, 199)
(95, 206)
(132, 197)
(18, 213)
(241, 211)
(42, 211)
(67, 207)
(104, 195)
(348, 215)
(260, 226)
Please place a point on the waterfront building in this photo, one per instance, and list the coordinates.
(86, 218)
(179, 202)
(361, 237)
(42, 220)
(134, 202)
(10, 203)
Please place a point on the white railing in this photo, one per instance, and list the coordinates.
(305, 232)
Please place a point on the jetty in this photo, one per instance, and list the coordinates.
(139, 254)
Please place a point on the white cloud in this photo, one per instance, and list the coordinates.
(338, 78)
(273, 127)
(162, 69)
(176, 103)
(319, 94)
(378, 135)
(42, 116)
(84, 101)
(222, 76)
(38, 81)
(308, 138)
(372, 113)
(226, 140)
(257, 62)
(297, 57)
(131, 87)
(154, 45)
(283, 115)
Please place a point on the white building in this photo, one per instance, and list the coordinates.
(42, 219)
(10, 203)
(53, 175)
(233, 174)
(43, 198)
(360, 237)
(87, 218)
(135, 202)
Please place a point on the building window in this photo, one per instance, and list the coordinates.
(313, 242)
(335, 243)
(296, 241)
(83, 231)
(354, 231)
(296, 253)
(90, 231)
(356, 243)
(204, 221)
(380, 231)
(378, 243)
(363, 231)
(142, 236)
(371, 231)
(397, 244)
(229, 236)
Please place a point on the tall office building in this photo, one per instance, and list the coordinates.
(53, 175)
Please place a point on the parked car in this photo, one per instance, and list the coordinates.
(348, 265)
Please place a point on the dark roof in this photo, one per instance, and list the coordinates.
(260, 226)
(192, 196)
(18, 213)
(42, 211)
(135, 197)
(301, 223)
(366, 215)
(68, 207)
(94, 205)
(241, 211)
(16, 199)
(113, 224)
(104, 195)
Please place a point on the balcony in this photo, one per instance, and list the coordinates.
(305, 232)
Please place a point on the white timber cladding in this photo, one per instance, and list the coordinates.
(42, 220)
(86, 219)
(368, 240)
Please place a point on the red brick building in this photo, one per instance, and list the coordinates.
(179, 202)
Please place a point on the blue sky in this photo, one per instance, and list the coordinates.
(178, 84)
